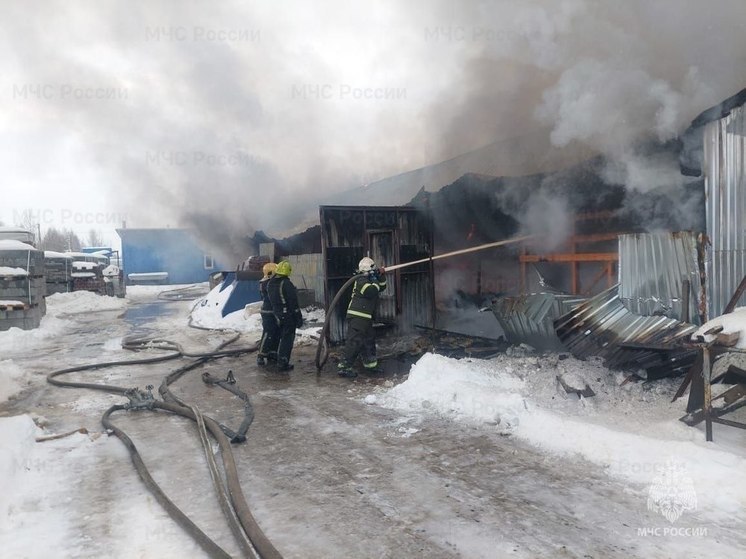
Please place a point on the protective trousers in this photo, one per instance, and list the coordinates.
(286, 330)
(270, 335)
(361, 340)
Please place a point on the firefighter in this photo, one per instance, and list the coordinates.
(270, 330)
(361, 340)
(284, 299)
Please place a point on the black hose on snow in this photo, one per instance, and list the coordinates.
(142, 400)
(210, 547)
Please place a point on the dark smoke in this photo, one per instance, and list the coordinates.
(224, 136)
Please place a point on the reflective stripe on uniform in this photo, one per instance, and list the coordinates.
(358, 313)
(367, 285)
(370, 365)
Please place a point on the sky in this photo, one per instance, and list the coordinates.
(245, 116)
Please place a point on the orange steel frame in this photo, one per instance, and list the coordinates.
(608, 260)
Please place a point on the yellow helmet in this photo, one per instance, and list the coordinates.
(284, 268)
(268, 269)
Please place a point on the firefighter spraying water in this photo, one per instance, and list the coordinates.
(372, 279)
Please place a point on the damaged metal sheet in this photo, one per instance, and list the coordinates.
(604, 327)
(530, 318)
(652, 270)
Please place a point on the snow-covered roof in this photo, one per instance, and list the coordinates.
(53, 254)
(9, 244)
(8, 229)
(8, 271)
(148, 275)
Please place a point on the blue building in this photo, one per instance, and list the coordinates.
(169, 256)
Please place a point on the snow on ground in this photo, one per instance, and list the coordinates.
(13, 379)
(207, 313)
(52, 468)
(59, 307)
(633, 433)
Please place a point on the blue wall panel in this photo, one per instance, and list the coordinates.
(165, 250)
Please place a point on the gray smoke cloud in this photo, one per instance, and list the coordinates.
(243, 116)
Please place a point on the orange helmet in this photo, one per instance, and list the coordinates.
(269, 269)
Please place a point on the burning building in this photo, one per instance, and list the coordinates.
(390, 236)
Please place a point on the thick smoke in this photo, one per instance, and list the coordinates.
(233, 116)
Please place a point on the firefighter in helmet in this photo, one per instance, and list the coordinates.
(361, 339)
(270, 329)
(284, 299)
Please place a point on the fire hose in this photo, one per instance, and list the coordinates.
(251, 539)
(322, 348)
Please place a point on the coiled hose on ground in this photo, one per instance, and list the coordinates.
(249, 535)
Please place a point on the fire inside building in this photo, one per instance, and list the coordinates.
(626, 275)
(584, 265)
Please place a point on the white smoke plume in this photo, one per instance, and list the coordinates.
(243, 116)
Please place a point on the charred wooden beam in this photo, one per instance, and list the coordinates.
(736, 296)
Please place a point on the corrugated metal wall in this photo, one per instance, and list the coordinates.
(308, 273)
(390, 235)
(725, 184)
(652, 267)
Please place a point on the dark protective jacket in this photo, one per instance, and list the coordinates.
(365, 296)
(283, 297)
(266, 303)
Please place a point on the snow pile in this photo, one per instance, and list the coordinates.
(12, 379)
(17, 340)
(731, 323)
(207, 313)
(629, 431)
(61, 304)
(463, 389)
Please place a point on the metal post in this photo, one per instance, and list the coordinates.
(685, 287)
(707, 406)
